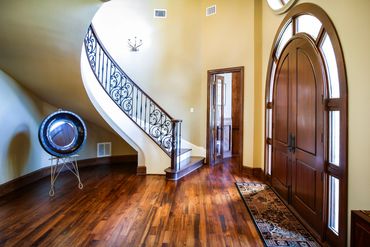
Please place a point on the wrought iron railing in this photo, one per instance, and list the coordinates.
(132, 100)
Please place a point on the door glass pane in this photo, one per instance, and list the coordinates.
(272, 78)
(218, 120)
(219, 99)
(333, 222)
(334, 137)
(269, 123)
(331, 67)
(308, 24)
(268, 159)
(218, 130)
(287, 34)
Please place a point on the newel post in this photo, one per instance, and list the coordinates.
(176, 144)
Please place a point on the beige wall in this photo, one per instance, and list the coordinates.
(351, 19)
(167, 66)
(228, 41)
(96, 134)
(172, 64)
(21, 114)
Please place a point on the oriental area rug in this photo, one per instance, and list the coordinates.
(275, 222)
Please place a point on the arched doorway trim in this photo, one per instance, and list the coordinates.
(310, 21)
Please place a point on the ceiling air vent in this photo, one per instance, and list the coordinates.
(104, 149)
(160, 13)
(211, 10)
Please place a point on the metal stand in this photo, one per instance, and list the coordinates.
(70, 162)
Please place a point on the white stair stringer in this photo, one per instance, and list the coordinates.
(184, 156)
(150, 154)
(195, 150)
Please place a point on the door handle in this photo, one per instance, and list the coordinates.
(291, 143)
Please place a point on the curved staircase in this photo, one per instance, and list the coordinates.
(135, 116)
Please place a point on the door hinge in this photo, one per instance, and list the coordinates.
(322, 137)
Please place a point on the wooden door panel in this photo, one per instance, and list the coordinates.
(305, 187)
(281, 102)
(298, 160)
(306, 104)
(306, 157)
(280, 171)
(307, 194)
(281, 167)
(307, 161)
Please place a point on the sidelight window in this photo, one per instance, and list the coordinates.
(334, 137)
(331, 67)
(313, 22)
(333, 222)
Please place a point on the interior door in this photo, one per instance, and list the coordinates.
(298, 122)
(217, 118)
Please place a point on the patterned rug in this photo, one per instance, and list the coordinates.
(275, 222)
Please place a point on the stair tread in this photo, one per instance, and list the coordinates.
(184, 150)
(191, 161)
(187, 166)
(188, 162)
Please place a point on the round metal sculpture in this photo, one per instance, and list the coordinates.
(62, 133)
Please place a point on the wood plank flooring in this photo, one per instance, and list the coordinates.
(118, 208)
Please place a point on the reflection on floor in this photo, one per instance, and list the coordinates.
(118, 208)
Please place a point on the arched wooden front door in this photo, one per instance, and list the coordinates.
(298, 129)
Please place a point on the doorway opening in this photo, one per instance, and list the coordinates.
(225, 115)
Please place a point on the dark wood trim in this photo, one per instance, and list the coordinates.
(141, 170)
(34, 176)
(193, 164)
(294, 26)
(210, 73)
(341, 104)
(360, 228)
(320, 36)
(256, 172)
(109, 160)
(24, 180)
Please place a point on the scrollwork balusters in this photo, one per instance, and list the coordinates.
(133, 101)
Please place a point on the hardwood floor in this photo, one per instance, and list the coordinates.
(118, 208)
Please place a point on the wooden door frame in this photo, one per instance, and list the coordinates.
(211, 73)
(331, 104)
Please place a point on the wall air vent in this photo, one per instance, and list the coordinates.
(211, 10)
(160, 13)
(104, 149)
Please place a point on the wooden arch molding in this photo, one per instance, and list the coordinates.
(331, 104)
